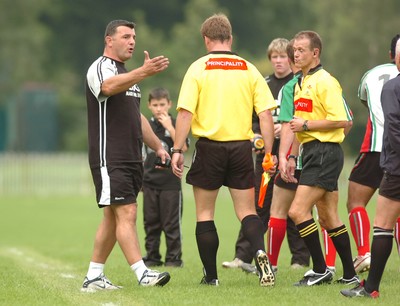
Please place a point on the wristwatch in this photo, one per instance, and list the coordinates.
(173, 151)
(305, 125)
(292, 156)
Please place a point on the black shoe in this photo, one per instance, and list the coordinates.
(355, 280)
(204, 281)
(213, 282)
(149, 262)
(359, 291)
(311, 278)
(176, 264)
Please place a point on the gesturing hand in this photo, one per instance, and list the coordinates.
(154, 65)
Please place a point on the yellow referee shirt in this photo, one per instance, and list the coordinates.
(221, 90)
(319, 96)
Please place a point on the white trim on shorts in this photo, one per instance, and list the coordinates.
(105, 198)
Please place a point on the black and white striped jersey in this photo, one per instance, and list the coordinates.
(114, 123)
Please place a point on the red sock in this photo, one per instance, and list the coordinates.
(397, 234)
(330, 250)
(276, 234)
(360, 228)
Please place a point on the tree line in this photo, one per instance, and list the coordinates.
(55, 41)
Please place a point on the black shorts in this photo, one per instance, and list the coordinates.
(290, 186)
(389, 187)
(217, 163)
(117, 184)
(366, 170)
(322, 164)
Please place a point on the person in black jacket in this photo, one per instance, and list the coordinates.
(162, 190)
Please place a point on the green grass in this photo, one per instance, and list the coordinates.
(46, 243)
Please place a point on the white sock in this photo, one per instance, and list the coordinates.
(95, 269)
(139, 268)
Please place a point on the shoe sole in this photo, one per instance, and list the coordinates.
(92, 289)
(356, 295)
(267, 277)
(88, 290)
(163, 280)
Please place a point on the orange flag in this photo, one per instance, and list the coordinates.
(267, 164)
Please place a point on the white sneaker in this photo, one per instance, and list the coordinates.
(99, 283)
(236, 263)
(154, 278)
(362, 263)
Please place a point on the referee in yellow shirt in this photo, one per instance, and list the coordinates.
(320, 117)
(216, 100)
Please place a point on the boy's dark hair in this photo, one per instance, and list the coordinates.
(113, 25)
(393, 46)
(290, 51)
(159, 93)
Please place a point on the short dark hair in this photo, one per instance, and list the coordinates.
(113, 25)
(313, 37)
(159, 93)
(290, 51)
(393, 46)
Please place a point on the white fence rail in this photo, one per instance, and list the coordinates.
(42, 174)
(66, 174)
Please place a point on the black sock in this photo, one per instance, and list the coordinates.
(308, 230)
(253, 231)
(341, 240)
(381, 248)
(207, 244)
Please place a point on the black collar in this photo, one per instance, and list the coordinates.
(315, 69)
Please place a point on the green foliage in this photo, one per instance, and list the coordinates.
(55, 42)
(183, 47)
(356, 36)
(22, 36)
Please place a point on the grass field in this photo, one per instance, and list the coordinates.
(46, 244)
